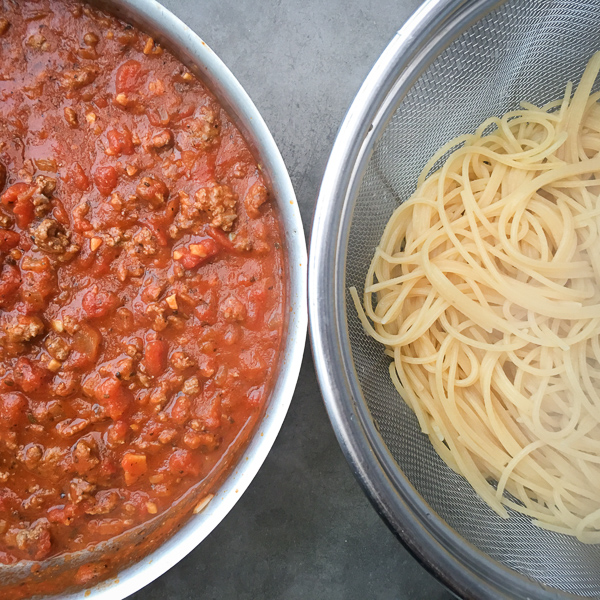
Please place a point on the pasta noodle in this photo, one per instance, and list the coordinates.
(485, 291)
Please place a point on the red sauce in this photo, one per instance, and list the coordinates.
(141, 280)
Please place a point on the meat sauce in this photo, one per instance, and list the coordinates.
(141, 282)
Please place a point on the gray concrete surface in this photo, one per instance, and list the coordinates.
(304, 529)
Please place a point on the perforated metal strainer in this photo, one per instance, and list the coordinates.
(454, 64)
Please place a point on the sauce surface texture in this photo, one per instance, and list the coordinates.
(142, 287)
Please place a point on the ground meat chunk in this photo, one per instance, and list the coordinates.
(51, 236)
(31, 455)
(152, 190)
(33, 540)
(38, 42)
(57, 347)
(70, 427)
(70, 324)
(233, 310)
(84, 456)
(51, 461)
(75, 79)
(143, 241)
(2, 176)
(191, 386)
(186, 217)
(36, 499)
(106, 501)
(181, 361)
(45, 185)
(220, 203)
(24, 328)
(80, 489)
(157, 314)
(164, 139)
(203, 129)
(257, 195)
(65, 384)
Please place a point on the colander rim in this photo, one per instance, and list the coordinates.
(462, 567)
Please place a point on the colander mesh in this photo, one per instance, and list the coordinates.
(524, 50)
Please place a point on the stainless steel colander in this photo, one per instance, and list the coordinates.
(454, 64)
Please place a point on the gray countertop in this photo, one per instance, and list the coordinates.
(304, 529)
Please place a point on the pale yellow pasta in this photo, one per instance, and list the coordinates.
(485, 291)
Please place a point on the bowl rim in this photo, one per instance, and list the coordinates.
(154, 19)
(450, 558)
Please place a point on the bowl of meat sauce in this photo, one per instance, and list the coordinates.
(152, 299)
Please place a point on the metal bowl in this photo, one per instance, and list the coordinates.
(156, 539)
(454, 63)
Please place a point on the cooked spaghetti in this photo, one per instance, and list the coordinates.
(485, 291)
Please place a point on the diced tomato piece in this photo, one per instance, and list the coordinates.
(151, 430)
(115, 398)
(11, 195)
(24, 212)
(61, 514)
(134, 466)
(190, 261)
(207, 365)
(37, 285)
(18, 196)
(10, 279)
(206, 313)
(119, 142)
(206, 248)
(107, 467)
(197, 253)
(140, 501)
(43, 543)
(8, 240)
(184, 462)
(153, 117)
(159, 222)
(219, 236)
(117, 431)
(179, 410)
(29, 376)
(155, 357)
(8, 500)
(98, 303)
(59, 212)
(129, 77)
(13, 407)
(105, 179)
(159, 227)
(7, 383)
(98, 262)
(183, 112)
(35, 544)
(208, 409)
(101, 102)
(7, 559)
(78, 177)
(202, 170)
(252, 364)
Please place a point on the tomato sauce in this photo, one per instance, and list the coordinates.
(142, 287)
